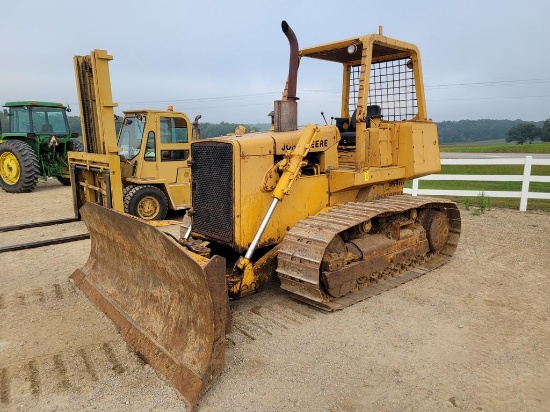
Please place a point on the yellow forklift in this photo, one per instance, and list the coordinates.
(145, 169)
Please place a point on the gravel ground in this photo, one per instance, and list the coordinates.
(473, 335)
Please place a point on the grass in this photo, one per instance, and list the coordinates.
(486, 147)
(482, 202)
(472, 203)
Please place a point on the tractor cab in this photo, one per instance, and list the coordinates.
(35, 144)
(32, 118)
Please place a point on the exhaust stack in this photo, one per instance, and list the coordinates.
(286, 110)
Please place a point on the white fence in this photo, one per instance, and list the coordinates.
(526, 179)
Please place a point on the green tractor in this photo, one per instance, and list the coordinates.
(35, 145)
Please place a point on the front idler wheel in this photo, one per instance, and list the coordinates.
(436, 224)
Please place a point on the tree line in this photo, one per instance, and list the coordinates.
(207, 129)
(528, 132)
(461, 131)
(468, 131)
(223, 128)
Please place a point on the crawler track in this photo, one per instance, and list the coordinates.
(41, 243)
(303, 249)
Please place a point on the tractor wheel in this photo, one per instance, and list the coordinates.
(147, 202)
(125, 192)
(74, 145)
(19, 168)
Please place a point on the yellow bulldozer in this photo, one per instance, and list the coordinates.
(319, 208)
(143, 170)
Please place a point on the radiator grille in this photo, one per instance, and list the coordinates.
(212, 190)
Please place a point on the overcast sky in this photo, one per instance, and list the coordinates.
(228, 60)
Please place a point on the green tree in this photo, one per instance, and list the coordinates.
(224, 128)
(545, 132)
(475, 130)
(525, 132)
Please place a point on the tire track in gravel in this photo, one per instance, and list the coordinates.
(72, 359)
(38, 295)
(272, 312)
(66, 372)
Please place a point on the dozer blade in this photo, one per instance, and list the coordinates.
(169, 304)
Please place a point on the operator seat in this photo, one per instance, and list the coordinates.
(348, 137)
(46, 128)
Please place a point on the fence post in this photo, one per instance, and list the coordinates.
(415, 187)
(525, 184)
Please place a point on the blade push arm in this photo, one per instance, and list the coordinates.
(243, 280)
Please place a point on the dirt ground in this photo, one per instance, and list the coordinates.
(473, 335)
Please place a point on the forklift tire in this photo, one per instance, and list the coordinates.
(146, 202)
(19, 168)
(74, 145)
(125, 192)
